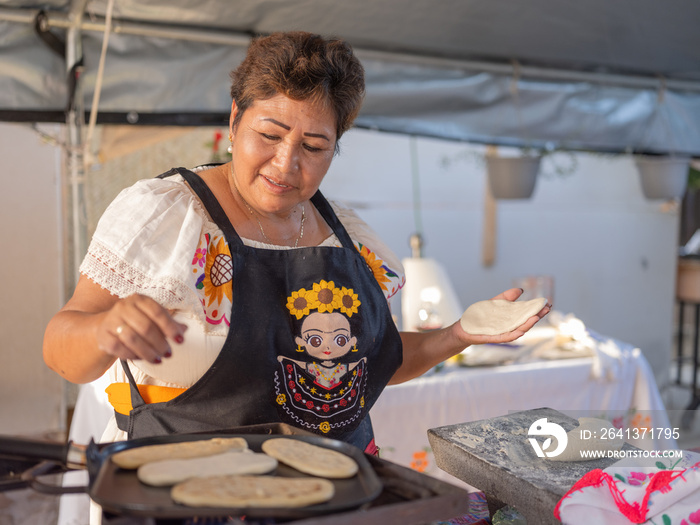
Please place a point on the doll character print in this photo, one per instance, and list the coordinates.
(324, 388)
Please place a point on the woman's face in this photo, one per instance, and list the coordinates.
(282, 149)
(326, 336)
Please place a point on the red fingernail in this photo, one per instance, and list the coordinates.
(157, 360)
(168, 353)
(179, 339)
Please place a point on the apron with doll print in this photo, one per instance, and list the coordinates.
(311, 342)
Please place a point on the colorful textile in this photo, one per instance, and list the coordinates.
(657, 491)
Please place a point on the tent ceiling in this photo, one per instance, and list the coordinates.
(595, 74)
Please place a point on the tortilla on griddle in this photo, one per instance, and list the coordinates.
(252, 491)
(311, 459)
(133, 458)
(172, 471)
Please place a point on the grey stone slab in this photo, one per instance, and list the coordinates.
(495, 456)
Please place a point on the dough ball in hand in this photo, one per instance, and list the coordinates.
(498, 316)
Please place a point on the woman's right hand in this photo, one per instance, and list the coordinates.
(137, 327)
(95, 328)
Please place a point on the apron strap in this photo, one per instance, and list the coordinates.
(212, 205)
(219, 216)
(123, 420)
(324, 208)
(136, 397)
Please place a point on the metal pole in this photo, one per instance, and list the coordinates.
(75, 237)
(75, 117)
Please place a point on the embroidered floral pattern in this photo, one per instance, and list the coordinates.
(200, 257)
(389, 281)
(218, 272)
(348, 301)
(213, 267)
(694, 517)
(298, 303)
(325, 296)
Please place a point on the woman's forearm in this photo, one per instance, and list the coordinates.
(70, 347)
(424, 350)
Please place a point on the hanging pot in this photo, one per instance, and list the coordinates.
(512, 177)
(662, 177)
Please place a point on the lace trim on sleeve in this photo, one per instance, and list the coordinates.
(119, 278)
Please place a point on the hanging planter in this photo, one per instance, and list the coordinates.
(662, 177)
(512, 177)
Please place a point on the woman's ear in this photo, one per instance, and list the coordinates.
(232, 117)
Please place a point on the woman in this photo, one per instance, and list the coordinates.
(238, 295)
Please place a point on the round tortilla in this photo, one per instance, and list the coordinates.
(133, 458)
(252, 491)
(498, 316)
(172, 471)
(310, 459)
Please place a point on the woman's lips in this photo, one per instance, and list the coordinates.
(276, 186)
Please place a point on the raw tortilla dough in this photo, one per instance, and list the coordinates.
(135, 457)
(252, 491)
(498, 316)
(172, 471)
(597, 428)
(311, 459)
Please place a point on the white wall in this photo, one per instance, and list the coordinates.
(611, 252)
(30, 266)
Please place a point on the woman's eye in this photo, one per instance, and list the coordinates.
(341, 340)
(315, 341)
(312, 149)
(269, 137)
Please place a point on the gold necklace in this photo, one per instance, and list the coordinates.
(336, 369)
(252, 213)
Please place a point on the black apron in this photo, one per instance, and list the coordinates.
(311, 342)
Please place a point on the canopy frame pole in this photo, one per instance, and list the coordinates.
(75, 116)
(73, 180)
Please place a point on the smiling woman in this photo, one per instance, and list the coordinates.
(236, 294)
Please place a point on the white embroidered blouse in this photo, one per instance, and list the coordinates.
(157, 239)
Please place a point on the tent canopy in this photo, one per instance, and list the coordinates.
(620, 76)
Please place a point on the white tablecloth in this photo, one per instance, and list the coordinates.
(629, 398)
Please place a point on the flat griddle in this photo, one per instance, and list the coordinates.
(119, 491)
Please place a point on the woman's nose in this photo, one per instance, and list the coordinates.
(286, 158)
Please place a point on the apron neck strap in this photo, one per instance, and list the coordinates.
(217, 213)
(324, 208)
(219, 216)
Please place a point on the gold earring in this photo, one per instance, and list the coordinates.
(354, 348)
(299, 348)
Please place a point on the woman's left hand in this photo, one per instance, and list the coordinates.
(509, 295)
(424, 350)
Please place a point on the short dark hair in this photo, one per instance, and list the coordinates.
(301, 66)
